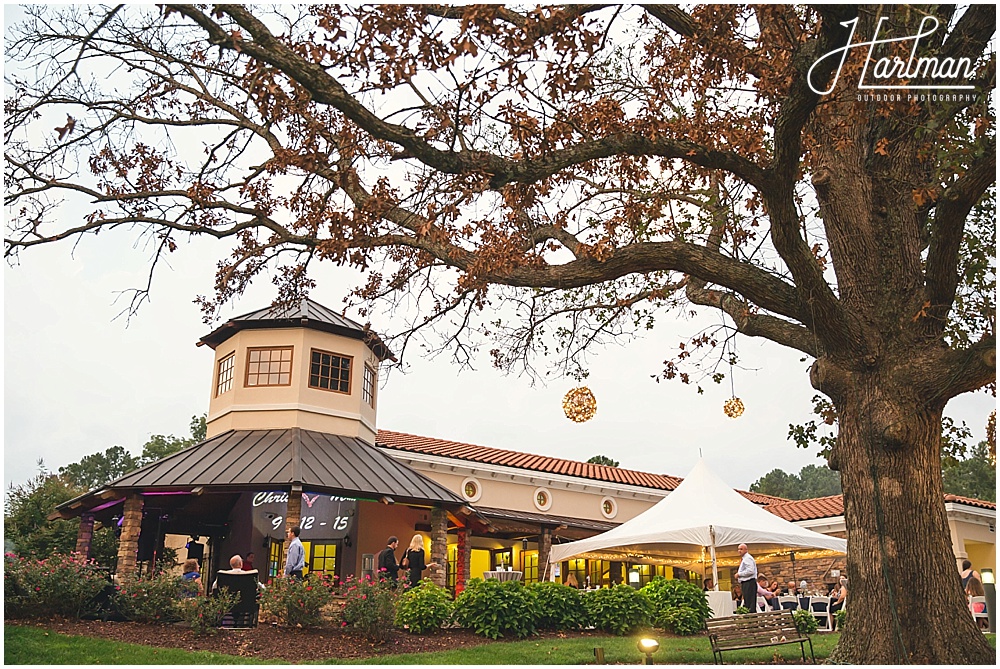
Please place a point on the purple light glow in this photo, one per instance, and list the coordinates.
(107, 505)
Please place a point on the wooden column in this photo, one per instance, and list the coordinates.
(85, 534)
(439, 545)
(128, 543)
(463, 560)
(544, 550)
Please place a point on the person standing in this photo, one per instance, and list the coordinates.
(295, 562)
(969, 573)
(248, 562)
(387, 565)
(413, 560)
(747, 576)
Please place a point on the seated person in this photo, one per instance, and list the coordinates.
(708, 584)
(236, 567)
(768, 595)
(571, 580)
(791, 589)
(974, 588)
(192, 578)
(838, 603)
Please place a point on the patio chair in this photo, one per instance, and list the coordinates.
(979, 615)
(788, 602)
(762, 605)
(244, 613)
(820, 608)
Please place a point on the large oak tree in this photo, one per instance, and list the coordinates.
(585, 167)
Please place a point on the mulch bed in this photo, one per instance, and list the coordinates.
(281, 644)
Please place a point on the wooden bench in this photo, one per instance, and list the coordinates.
(755, 630)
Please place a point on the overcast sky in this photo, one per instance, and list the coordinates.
(77, 381)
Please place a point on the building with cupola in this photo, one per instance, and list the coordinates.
(293, 440)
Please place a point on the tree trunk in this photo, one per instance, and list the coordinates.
(902, 580)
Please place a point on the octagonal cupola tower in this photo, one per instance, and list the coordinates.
(302, 366)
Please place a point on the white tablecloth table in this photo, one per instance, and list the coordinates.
(503, 575)
(721, 603)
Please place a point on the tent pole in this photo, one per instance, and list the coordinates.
(715, 567)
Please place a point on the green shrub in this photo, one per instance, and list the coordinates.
(557, 607)
(370, 606)
(841, 617)
(619, 610)
(425, 608)
(494, 609)
(62, 585)
(741, 610)
(152, 599)
(805, 621)
(681, 620)
(667, 596)
(205, 614)
(295, 602)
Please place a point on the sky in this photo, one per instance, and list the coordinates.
(78, 380)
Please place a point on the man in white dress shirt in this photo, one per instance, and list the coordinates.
(747, 576)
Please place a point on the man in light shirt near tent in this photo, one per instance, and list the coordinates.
(747, 576)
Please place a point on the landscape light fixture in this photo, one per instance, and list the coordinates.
(989, 586)
(648, 646)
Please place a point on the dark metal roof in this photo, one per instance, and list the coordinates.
(269, 459)
(302, 314)
(544, 519)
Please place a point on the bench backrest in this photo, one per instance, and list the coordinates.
(754, 626)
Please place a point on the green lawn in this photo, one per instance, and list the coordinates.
(31, 645)
(617, 650)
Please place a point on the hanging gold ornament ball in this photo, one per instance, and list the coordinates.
(579, 404)
(733, 407)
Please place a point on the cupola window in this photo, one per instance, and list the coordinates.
(368, 388)
(224, 376)
(330, 371)
(269, 366)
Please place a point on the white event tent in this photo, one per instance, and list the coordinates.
(701, 523)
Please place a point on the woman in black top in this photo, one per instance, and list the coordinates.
(414, 560)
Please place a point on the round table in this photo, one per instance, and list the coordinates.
(503, 575)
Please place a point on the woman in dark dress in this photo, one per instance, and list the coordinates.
(414, 560)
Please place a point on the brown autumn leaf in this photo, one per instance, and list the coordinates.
(66, 129)
(881, 147)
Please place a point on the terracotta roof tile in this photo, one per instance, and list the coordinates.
(832, 506)
(539, 463)
(971, 502)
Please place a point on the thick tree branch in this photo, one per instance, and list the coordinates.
(948, 228)
(325, 89)
(673, 17)
(829, 321)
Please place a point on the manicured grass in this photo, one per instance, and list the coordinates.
(32, 645)
(617, 650)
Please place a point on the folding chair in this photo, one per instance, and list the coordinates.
(820, 608)
(979, 615)
(244, 613)
(788, 602)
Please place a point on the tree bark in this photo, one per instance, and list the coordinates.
(900, 563)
